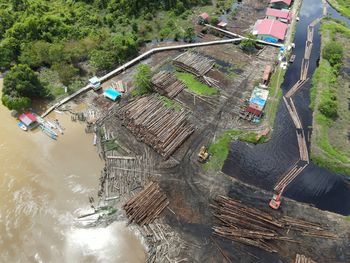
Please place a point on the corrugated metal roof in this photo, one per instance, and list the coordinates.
(27, 118)
(259, 97)
(111, 94)
(284, 14)
(204, 15)
(271, 27)
(287, 2)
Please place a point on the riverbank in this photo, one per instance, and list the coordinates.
(330, 89)
(341, 6)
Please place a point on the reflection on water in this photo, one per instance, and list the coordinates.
(42, 183)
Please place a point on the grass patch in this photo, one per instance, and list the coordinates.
(195, 85)
(343, 6)
(220, 148)
(347, 218)
(168, 103)
(276, 93)
(111, 145)
(328, 87)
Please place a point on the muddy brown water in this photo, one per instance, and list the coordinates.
(43, 185)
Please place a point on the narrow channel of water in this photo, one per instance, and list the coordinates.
(263, 164)
(43, 184)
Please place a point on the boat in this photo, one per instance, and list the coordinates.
(292, 58)
(22, 126)
(48, 132)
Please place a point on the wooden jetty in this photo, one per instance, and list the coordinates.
(167, 84)
(164, 129)
(147, 205)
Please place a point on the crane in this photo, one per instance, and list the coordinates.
(276, 200)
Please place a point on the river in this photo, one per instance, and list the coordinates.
(263, 164)
(44, 184)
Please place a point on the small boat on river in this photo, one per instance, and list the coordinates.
(292, 58)
(22, 126)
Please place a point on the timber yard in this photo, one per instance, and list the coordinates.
(161, 170)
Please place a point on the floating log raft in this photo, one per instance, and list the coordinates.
(147, 205)
(303, 259)
(194, 63)
(164, 129)
(254, 227)
(166, 83)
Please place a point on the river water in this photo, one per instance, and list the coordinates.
(43, 185)
(263, 164)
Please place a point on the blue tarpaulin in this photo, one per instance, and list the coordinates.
(111, 94)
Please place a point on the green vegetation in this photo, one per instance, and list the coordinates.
(170, 103)
(21, 84)
(249, 43)
(111, 145)
(142, 80)
(331, 116)
(220, 148)
(76, 39)
(347, 218)
(271, 107)
(195, 85)
(343, 6)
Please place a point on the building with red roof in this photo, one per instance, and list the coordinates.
(28, 119)
(270, 30)
(284, 16)
(203, 18)
(280, 4)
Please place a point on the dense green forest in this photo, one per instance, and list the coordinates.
(65, 41)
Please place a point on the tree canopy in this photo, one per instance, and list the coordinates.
(21, 84)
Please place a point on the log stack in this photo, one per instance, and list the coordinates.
(303, 259)
(194, 63)
(147, 205)
(254, 227)
(166, 84)
(164, 129)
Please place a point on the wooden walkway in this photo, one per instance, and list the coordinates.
(231, 34)
(135, 61)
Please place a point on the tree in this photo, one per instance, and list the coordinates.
(189, 34)
(333, 52)
(214, 20)
(21, 81)
(15, 103)
(329, 108)
(66, 72)
(102, 60)
(142, 80)
(248, 43)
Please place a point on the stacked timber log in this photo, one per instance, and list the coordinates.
(254, 227)
(166, 83)
(164, 129)
(147, 205)
(303, 259)
(194, 63)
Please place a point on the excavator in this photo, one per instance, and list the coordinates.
(276, 200)
(203, 154)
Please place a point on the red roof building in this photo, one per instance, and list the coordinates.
(270, 30)
(27, 118)
(204, 16)
(281, 15)
(280, 4)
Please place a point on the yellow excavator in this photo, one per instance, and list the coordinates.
(203, 154)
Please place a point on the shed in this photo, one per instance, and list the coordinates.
(28, 119)
(283, 15)
(112, 94)
(254, 109)
(257, 101)
(222, 24)
(203, 18)
(280, 4)
(95, 82)
(270, 30)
